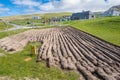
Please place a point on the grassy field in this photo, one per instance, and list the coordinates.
(9, 33)
(32, 22)
(49, 15)
(3, 26)
(105, 28)
(16, 66)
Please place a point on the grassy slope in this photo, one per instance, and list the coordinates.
(15, 66)
(47, 15)
(3, 26)
(106, 28)
(5, 34)
(23, 19)
(24, 22)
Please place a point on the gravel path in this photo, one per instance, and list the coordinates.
(71, 49)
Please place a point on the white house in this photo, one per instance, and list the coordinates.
(35, 17)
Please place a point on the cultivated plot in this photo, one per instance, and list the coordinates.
(71, 49)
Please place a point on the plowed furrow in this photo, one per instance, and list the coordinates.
(71, 49)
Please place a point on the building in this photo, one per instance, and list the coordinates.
(0, 19)
(66, 18)
(82, 15)
(35, 17)
(54, 19)
(111, 13)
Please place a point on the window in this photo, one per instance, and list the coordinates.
(92, 16)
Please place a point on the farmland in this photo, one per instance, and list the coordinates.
(66, 48)
(70, 49)
(105, 28)
(15, 67)
(29, 70)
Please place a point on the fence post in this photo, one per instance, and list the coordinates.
(33, 50)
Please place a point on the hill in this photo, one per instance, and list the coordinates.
(4, 26)
(47, 15)
(117, 8)
(107, 28)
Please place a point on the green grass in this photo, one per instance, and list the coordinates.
(107, 28)
(31, 21)
(9, 33)
(49, 15)
(14, 66)
(3, 26)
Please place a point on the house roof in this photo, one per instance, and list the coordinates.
(83, 13)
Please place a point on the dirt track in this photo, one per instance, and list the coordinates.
(71, 49)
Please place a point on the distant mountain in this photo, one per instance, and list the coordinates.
(113, 11)
(117, 8)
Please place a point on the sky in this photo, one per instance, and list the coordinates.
(20, 7)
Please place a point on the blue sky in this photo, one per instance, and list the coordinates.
(18, 7)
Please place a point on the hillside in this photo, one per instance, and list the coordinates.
(47, 15)
(4, 26)
(106, 28)
(117, 8)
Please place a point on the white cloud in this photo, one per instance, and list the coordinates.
(27, 5)
(30, 10)
(47, 7)
(25, 2)
(65, 5)
(78, 5)
(3, 9)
